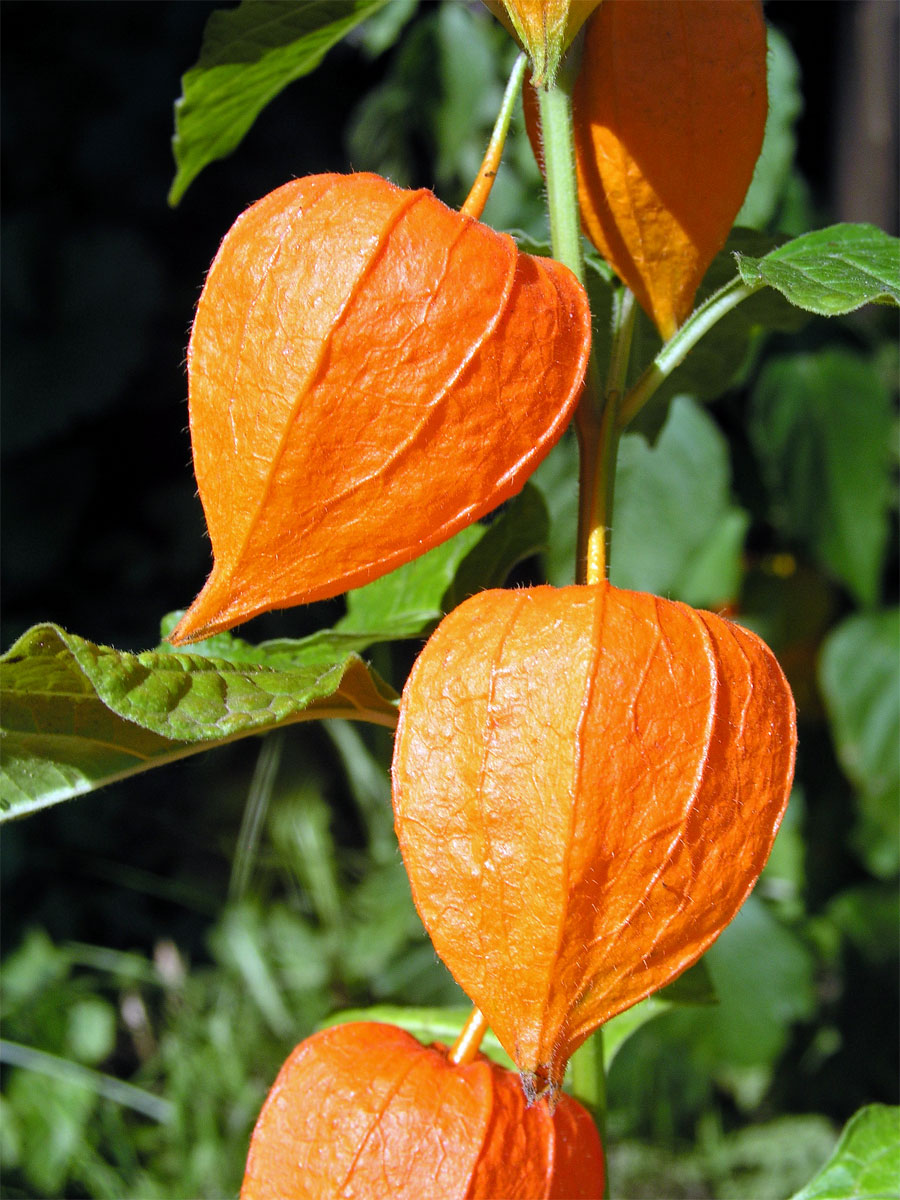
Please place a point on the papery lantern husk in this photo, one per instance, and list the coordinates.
(587, 783)
(669, 113)
(363, 1110)
(544, 28)
(369, 371)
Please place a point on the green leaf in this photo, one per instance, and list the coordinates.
(865, 1164)
(821, 426)
(763, 976)
(859, 674)
(600, 283)
(695, 986)
(382, 30)
(831, 271)
(426, 1025)
(868, 916)
(520, 531)
(249, 55)
(557, 480)
(675, 530)
(77, 715)
(409, 602)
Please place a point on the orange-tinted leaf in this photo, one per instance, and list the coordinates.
(545, 28)
(669, 114)
(587, 783)
(369, 372)
(363, 1110)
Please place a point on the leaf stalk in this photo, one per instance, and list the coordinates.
(676, 349)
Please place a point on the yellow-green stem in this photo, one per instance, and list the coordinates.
(599, 447)
(595, 420)
(487, 172)
(677, 348)
(466, 1045)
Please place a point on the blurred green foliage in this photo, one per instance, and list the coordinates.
(179, 933)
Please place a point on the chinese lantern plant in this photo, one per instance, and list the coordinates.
(369, 372)
(586, 786)
(364, 1110)
(668, 116)
(587, 781)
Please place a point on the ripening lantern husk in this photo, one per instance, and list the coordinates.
(363, 1110)
(669, 112)
(544, 28)
(369, 371)
(587, 782)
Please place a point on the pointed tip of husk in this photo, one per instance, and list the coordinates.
(213, 611)
(539, 1083)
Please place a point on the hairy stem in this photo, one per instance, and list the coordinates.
(676, 349)
(596, 420)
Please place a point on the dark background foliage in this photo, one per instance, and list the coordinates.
(103, 533)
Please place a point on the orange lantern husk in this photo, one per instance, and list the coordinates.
(587, 783)
(669, 112)
(363, 1110)
(369, 372)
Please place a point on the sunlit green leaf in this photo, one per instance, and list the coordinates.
(77, 715)
(249, 55)
(425, 1024)
(409, 602)
(831, 271)
(865, 1164)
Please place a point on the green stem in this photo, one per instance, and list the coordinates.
(587, 1073)
(596, 419)
(596, 508)
(676, 349)
(559, 173)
